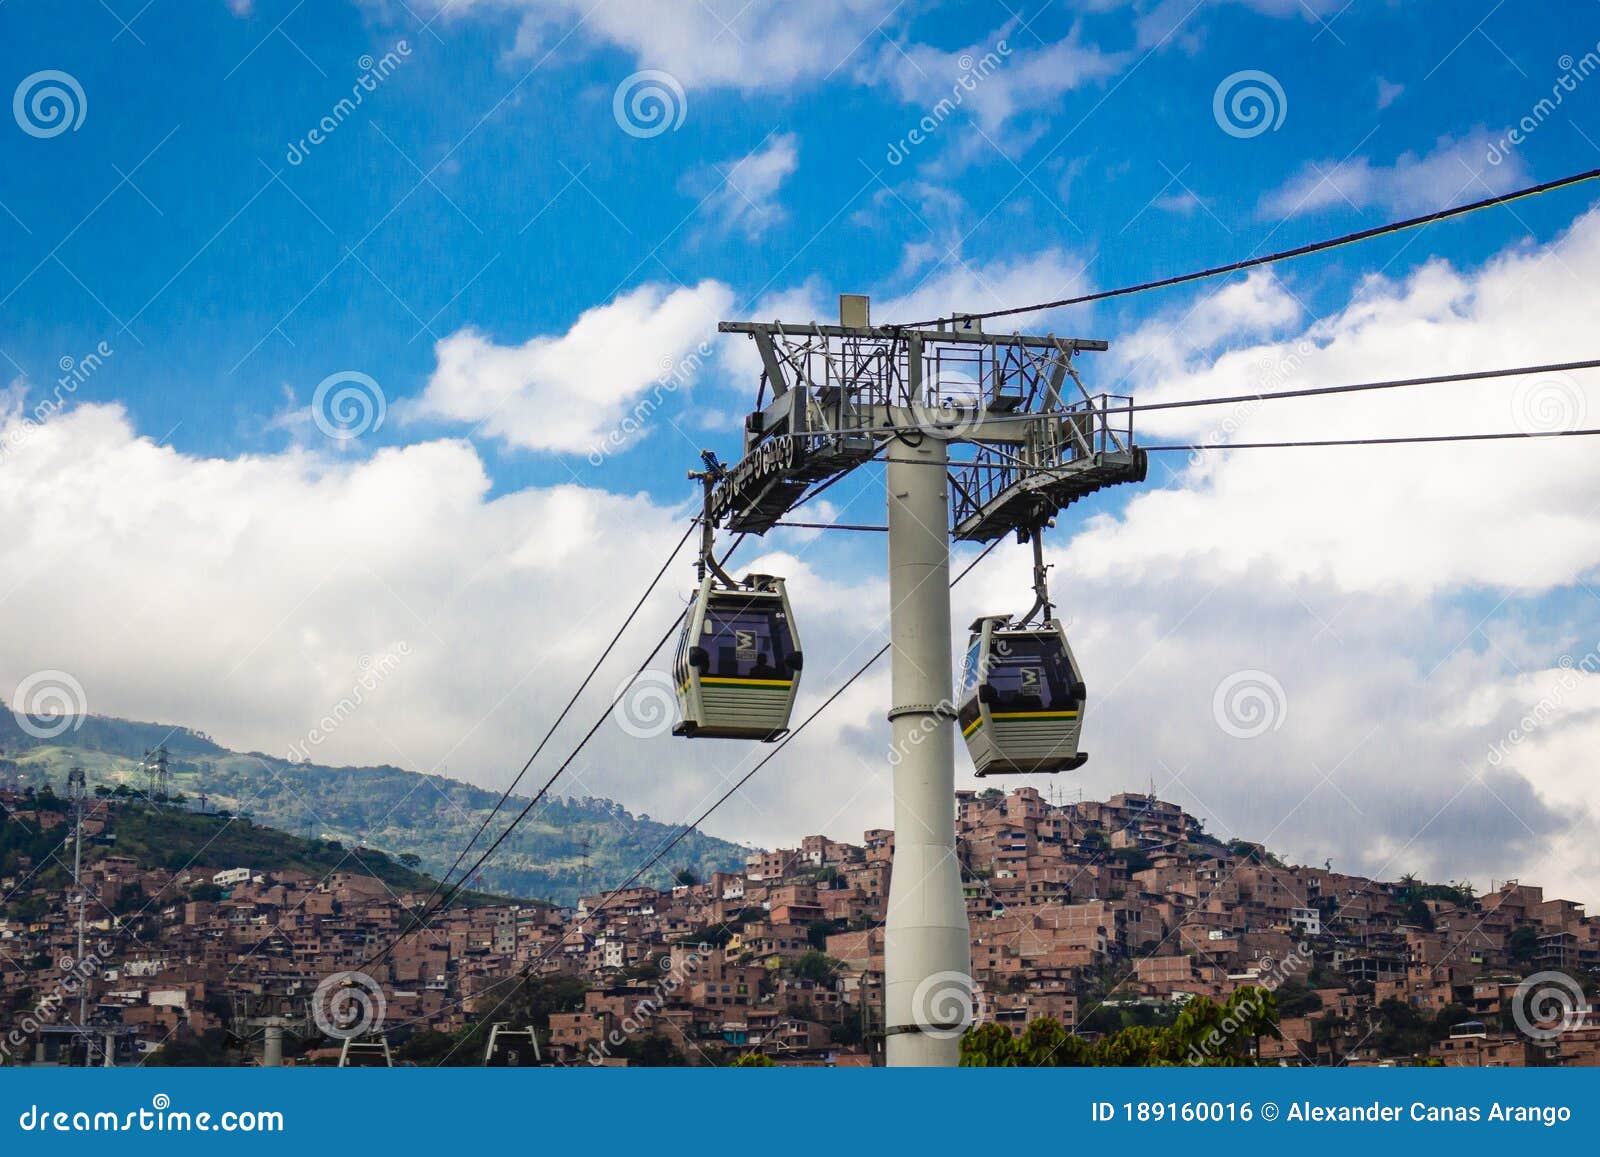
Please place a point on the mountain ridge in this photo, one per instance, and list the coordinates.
(566, 847)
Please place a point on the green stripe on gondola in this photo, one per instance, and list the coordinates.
(743, 684)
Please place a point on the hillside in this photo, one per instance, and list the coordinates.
(165, 837)
(564, 848)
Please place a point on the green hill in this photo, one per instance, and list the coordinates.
(168, 837)
(566, 846)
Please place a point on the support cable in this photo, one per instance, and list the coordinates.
(661, 852)
(1281, 255)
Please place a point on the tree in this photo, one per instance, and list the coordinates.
(1204, 1034)
(817, 966)
(686, 877)
(410, 860)
(753, 1061)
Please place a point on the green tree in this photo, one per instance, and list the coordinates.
(1203, 1034)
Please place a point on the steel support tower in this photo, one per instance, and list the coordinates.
(835, 397)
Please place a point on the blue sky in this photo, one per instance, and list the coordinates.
(486, 187)
(453, 236)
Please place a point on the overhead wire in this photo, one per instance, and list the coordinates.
(421, 920)
(1281, 255)
(662, 850)
(1407, 440)
(426, 916)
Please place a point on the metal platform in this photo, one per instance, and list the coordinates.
(1061, 458)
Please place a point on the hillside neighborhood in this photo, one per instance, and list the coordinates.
(1097, 915)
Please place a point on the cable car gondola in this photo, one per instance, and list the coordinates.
(737, 668)
(1022, 692)
(738, 663)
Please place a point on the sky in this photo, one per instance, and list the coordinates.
(364, 347)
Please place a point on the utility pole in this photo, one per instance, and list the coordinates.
(77, 793)
(926, 944)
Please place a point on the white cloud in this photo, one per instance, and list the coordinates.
(1454, 171)
(741, 194)
(1393, 593)
(1160, 23)
(1413, 602)
(992, 80)
(703, 43)
(570, 393)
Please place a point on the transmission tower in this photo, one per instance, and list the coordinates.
(831, 399)
(77, 797)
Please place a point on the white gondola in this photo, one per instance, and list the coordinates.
(737, 668)
(1022, 699)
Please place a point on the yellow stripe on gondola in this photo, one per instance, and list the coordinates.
(730, 681)
(1034, 714)
(973, 726)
